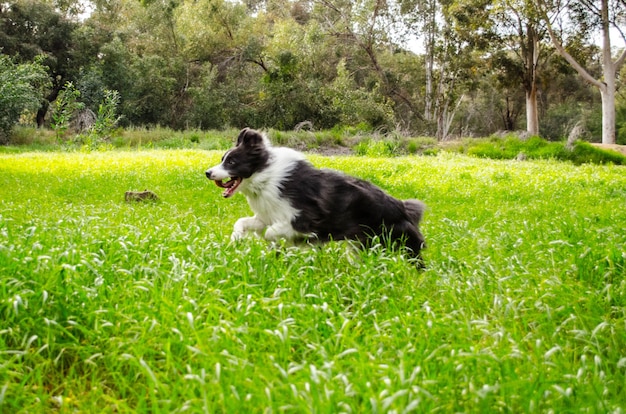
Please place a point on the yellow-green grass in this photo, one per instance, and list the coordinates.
(108, 306)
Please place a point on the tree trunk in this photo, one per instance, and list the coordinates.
(428, 98)
(607, 85)
(532, 114)
(430, 64)
(607, 88)
(530, 50)
(45, 105)
(509, 117)
(608, 113)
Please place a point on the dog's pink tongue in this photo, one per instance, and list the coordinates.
(228, 192)
(230, 186)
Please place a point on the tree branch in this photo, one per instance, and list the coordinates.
(569, 58)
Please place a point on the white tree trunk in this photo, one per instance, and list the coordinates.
(532, 113)
(532, 60)
(608, 112)
(607, 88)
(607, 84)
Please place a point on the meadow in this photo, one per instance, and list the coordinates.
(109, 306)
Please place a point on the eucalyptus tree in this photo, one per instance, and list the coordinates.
(581, 19)
(522, 31)
(452, 65)
(421, 19)
(366, 28)
(511, 36)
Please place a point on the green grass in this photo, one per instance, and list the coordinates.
(509, 148)
(107, 306)
(336, 141)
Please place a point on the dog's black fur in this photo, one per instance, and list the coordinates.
(335, 206)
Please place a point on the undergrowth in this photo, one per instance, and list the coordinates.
(338, 141)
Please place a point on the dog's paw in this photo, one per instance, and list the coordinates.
(237, 235)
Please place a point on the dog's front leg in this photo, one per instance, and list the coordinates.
(280, 230)
(246, 224)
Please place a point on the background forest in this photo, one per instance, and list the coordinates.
(443, 68)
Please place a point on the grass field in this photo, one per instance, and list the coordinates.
(107, 306)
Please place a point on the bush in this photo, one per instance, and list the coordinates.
(585, 153)
(510, 147)
(355, 105)
(21, 89)
(31, 136)
(65, 106)
(538, 148)
(379, 148)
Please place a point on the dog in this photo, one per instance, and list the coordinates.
(293, 200)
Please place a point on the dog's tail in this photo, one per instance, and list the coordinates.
(415, 210)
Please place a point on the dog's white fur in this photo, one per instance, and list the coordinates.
(262, 190)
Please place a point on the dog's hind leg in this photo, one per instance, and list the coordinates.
(413, 240)
(245, 225)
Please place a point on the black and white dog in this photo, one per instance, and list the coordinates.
(293, 200)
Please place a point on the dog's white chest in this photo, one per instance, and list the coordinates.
(271, 210)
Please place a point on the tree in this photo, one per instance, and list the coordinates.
(510, 34)
(589, 17)
(525, 34)
(451, 65)
(421, 16)
(365, 25)
(29, 28)
(21, 89)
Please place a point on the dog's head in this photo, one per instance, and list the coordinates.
(249, 156)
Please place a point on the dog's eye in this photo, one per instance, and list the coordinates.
(230, 162)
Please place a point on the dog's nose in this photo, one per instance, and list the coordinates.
(208, 174)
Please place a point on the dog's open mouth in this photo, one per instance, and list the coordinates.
(230, 185)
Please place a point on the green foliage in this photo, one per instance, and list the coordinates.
(106, 122)
(538, 148)
(355, 105)
(560, 119)
(509, 147)
(620, 118)
(110, 306)
(65, 107)
(28, 138)
(21, 90)
(212, 64)
(584, 153)
(378, 148)
(168, 139)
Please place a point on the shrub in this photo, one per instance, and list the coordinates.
(585, 153)
(355, 105)
(65, 106)
(21, 89)
(31, 137)
(510, 147)
(538, 148)
(379, 148)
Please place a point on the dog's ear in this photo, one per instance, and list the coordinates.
(250, 137)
